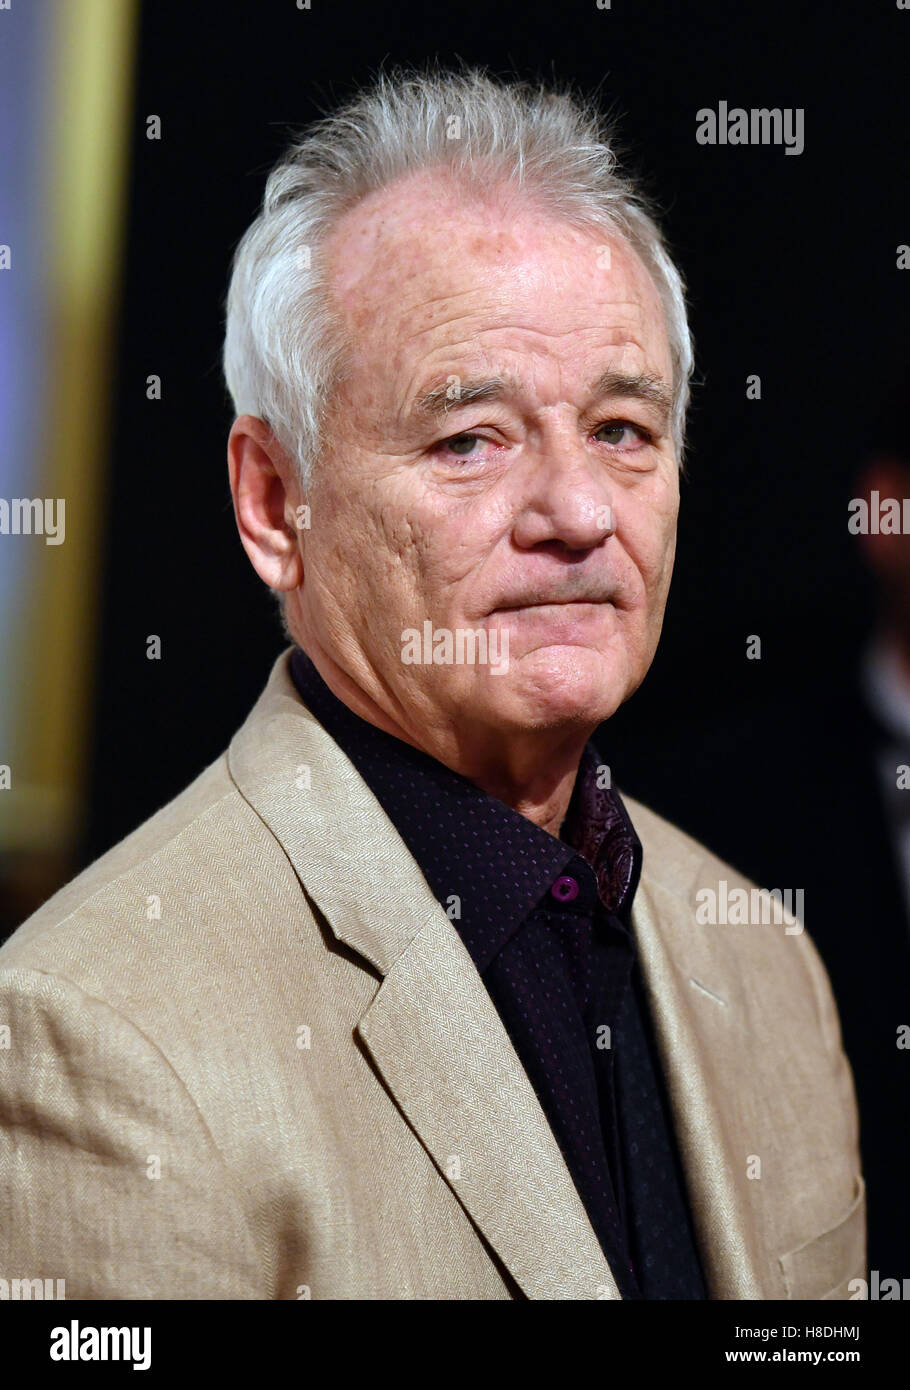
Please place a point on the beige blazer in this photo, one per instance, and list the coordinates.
(248, 1056)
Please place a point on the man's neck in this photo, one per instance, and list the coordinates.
(534, 774)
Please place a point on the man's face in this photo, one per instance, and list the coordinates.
(546, 509)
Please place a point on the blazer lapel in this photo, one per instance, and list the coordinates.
(689, 1002)
(435, 1035)
(432, 1030)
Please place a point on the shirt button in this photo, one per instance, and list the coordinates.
(565, 889)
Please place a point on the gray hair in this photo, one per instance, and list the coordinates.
(284, 349)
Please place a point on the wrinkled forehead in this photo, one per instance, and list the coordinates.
(425, 264)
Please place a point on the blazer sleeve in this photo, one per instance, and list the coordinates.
(109, 1177)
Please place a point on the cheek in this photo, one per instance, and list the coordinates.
(652, 542)
(436, 546)
(361, 540)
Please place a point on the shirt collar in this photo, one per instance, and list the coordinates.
(597, 824)
(487, 865)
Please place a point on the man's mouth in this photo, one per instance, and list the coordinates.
(554, 603)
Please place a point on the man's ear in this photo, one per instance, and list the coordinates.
(266, 492)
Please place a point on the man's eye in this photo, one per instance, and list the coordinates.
(613, 431)
(461, 444)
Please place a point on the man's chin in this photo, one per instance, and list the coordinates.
(556, 686)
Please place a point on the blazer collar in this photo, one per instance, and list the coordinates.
(438, 1041)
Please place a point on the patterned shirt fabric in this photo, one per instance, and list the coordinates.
(547, 923)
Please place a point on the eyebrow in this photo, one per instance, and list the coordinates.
(641, 386)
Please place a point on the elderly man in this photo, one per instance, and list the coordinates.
(399, 999)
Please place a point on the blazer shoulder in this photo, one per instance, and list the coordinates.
(105, 882)
(671, 858)
(681, 865)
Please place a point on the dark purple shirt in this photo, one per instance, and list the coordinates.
(546, 922)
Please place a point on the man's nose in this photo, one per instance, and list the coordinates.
(566, 496)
